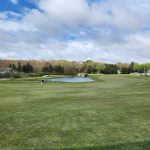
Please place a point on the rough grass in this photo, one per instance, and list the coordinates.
(112, 113)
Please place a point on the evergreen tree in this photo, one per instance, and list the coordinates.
(48, 68)
(13, 66)
(59, 69)
(131, 67)
(10, 66)
(19, 67)
(28, 68)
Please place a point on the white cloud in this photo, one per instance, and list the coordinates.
(109, 31)
(135, 48)
(71, 13)
(55, 15)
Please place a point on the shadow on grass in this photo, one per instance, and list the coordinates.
(145, 145)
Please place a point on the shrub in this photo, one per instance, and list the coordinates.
(6, 75)
(86, 75)
(17, 76)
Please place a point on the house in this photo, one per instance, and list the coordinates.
(118, 71)
(148, 73)
(6, 70)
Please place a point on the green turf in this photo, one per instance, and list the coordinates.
(112, 113)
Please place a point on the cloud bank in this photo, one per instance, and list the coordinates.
(102, 30)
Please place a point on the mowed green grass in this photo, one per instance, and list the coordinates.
(112, 113)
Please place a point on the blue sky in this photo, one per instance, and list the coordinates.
(102, 30)
(16, 6)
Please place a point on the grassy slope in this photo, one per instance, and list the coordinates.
(112, 113)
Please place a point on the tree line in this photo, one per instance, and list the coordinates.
(72, 67)
(26, 68)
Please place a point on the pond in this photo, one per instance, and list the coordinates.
(71, 79)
